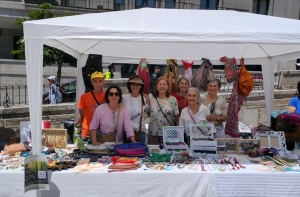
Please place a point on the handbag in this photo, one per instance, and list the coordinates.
(131, 150)
(102, 138)
(163, 112)
(14, 148)
(246, 83)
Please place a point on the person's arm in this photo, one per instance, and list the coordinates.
(176, 111)
(93, 127)
(176, 120)
(292, 105)
(291, 109)
(128, 125)
(80, 116)
(147, 98)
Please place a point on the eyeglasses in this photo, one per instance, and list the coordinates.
(157, 68)
(113, 93)
(212, 108)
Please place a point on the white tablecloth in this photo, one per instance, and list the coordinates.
(176, 182)
(146, 183)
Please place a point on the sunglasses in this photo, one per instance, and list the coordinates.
(212, 108)
(113, 93)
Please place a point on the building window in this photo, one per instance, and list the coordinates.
(170, 4)
(261, 6)
(209, 4)
(145, 3)
(119, 4)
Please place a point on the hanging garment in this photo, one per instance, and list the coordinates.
(235, 104)
(172, 74)
(143, 72)
(188, 73)
(205, 73)
(231, 71)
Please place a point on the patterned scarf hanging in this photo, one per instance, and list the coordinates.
(172, 74)
(235, 104)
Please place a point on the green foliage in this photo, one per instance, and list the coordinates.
(51, 55)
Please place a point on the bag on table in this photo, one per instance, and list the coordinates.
(14, 148)
(246, 83)
(131, 150)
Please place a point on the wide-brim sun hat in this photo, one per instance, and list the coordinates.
(136, 80)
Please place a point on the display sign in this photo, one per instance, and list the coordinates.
(36, 177)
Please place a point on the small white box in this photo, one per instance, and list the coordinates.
(202, 141)
(173, 137)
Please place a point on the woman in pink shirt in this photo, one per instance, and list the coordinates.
(105, 119)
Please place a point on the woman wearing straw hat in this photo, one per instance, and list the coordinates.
(135, 101)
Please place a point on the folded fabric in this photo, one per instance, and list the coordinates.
(291, 118)
(129, 166)
(276, 113)
(123, 160)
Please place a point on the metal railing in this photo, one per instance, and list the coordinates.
(18, 95)
(258, 82)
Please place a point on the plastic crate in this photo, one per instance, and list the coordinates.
(173, 137)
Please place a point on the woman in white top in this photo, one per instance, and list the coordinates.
(195, 113)
(136, 104)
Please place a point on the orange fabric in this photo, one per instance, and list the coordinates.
(246, 82)
(88, 104)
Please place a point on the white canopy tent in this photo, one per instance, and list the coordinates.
(159, 34)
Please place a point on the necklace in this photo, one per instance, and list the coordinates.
(133, 109)
(197, 109)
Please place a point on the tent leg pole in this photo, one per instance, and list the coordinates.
(268, 83)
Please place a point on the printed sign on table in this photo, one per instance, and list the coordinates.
(36, 177)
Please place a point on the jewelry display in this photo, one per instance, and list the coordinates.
(202, 165)
(181, 166)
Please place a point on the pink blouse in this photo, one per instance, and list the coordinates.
(105, 119)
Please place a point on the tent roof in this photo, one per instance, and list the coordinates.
(126, 36)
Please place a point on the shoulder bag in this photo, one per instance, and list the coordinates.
(163, 112)
(195, 122)
(110, 137)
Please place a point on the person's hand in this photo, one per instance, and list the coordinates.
(210, 118)
(96, 143)
(46, 99)
(147, 98)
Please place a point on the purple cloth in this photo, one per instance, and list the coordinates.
(105, 119)
(291, 118)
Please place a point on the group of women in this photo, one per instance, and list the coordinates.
(121, 117)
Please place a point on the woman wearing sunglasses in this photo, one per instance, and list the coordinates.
(216, 105)
(135, 101)
(195, 113)
(111, 120)
(163, 111)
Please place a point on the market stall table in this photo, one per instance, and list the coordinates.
(145, 182)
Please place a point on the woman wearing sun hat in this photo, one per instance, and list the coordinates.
(135, 101)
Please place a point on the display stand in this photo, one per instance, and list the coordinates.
(202, 141)
(173, 138)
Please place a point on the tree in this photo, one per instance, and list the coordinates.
(51, 55)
